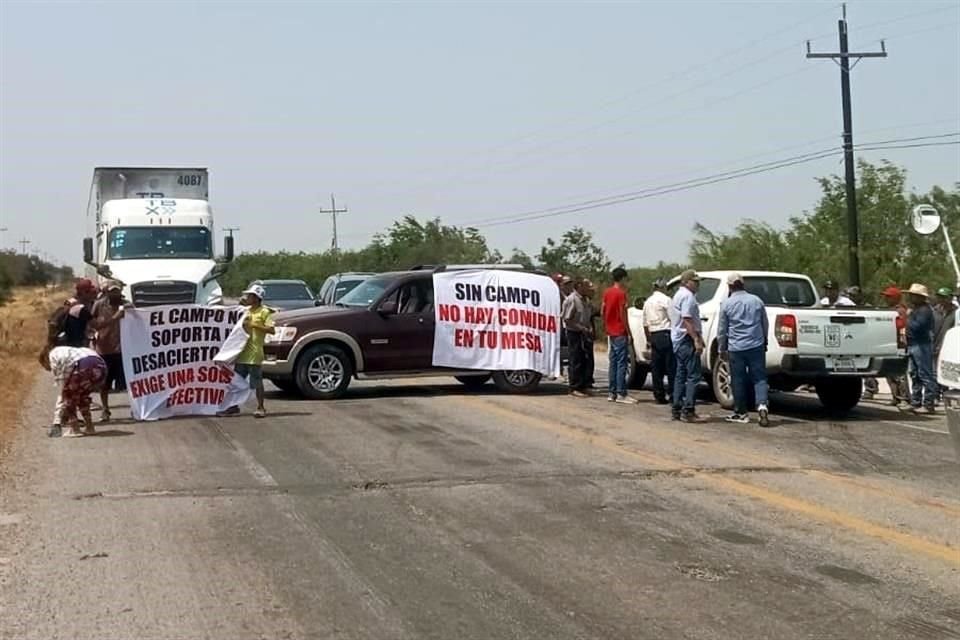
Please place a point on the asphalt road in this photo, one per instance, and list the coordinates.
(419, 510)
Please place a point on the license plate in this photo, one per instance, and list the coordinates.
(831, 336)
(844, 364)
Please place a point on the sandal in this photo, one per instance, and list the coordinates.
(106, 416)
(260, 413)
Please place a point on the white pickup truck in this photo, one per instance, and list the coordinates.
(830, 348)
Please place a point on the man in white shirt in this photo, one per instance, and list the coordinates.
(656, 326)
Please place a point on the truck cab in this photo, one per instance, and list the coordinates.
(154, 233)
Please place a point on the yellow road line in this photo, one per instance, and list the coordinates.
(761, 459)
(853, 523)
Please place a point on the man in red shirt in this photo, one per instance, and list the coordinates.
(614, 312)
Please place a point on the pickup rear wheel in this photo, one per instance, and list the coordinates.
(839, 395)
(523, 381)
(323, 372)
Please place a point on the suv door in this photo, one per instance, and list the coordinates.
(399, 336)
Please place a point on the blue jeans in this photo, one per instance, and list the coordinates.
(689, 374)
(619, 352)
(749, 368)
(921, 375)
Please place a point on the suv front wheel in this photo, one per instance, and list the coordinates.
(323, 372)
(522, 381)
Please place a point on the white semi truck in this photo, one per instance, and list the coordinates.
(152, 229)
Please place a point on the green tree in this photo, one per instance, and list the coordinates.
(575, 254)
(815, 242)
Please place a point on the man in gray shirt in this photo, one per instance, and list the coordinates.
(686, 335)
(577, 315)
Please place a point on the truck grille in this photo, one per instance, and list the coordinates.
(152, 294)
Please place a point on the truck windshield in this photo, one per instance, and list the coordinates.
(784, 291)
(137, 243)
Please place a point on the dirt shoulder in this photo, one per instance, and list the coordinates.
(22, 334)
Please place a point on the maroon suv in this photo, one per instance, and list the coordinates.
(381, 329)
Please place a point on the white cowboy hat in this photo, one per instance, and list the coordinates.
(918, 290)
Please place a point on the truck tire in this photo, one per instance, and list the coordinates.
(516, 381)
(323, 372)
(839, 395)
(721, 383)
(636, 371)
(474, 383)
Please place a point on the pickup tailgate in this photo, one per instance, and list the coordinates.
(847, 337)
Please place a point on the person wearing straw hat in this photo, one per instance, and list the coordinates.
(920, 349)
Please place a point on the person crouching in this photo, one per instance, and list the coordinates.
(80, 372)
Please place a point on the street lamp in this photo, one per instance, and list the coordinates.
(926, 220)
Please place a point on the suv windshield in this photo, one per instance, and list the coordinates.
(287, 291)
(131, 243)
(344, 287)
(773, 290)
(367, 292)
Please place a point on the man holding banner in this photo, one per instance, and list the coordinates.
(258, 324)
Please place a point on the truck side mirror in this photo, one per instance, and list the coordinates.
(88, 251)
(228, 249)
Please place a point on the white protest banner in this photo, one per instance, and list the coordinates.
(168, 359)
(497, 321)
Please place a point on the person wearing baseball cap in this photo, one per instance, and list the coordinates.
(945, 318)
(258, 323)
(832, 296)
(899, 390)
(920, 325)
(686, 335)
(742, 336)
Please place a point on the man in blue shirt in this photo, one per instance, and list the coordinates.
(920, 349)
(686, 335)
(742, 336)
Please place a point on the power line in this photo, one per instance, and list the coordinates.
(688, 185)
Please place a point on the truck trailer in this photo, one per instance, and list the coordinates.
(152, 229)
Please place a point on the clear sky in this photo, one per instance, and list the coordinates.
(463, 111)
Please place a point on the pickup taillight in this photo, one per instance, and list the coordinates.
(901, 332)
(785, 331)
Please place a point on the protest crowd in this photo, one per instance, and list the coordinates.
(84, 350)
(675, 342)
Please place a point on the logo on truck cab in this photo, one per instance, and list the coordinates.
(164, 208)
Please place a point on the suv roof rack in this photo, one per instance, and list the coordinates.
(465, 267)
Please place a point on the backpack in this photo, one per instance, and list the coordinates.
(57, 325)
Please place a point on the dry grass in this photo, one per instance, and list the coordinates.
(23, 331)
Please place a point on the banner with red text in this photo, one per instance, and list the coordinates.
(168, 361)
(497, 321)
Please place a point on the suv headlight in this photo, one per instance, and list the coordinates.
(281, 335)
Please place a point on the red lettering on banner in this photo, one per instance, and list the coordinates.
(463, 338)
(147, 386)
(488, 339)
(179, 378)
(521, 340)
(196, 395)
(449, 313)
(478, 315)
(214, 374)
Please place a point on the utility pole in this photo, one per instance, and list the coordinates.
(23, 246)
(844, 56)
(2, 230)
(334, 211)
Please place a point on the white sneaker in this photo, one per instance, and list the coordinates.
(738, 418)
(612, 398)
(626, 400)
(71, 432)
